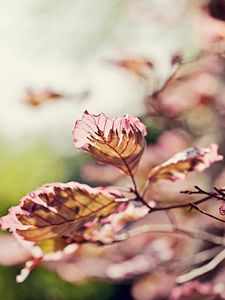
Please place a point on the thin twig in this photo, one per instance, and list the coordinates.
(206, 213)
(189, 204)
(183, 205)
(221, 195)
(203, 269)
(220, 192)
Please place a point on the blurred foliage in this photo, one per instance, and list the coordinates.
(45, 285)
(23, 170)
(189, 103)
(73, 164)
(154, 129)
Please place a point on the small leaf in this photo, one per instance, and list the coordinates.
(139, 67)
(179, 165)
(119, 142)
(36, 98)
(53, 216)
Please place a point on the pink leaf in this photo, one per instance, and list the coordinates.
(55, 215)
(119, 142)
(49, 221)
(179, 165)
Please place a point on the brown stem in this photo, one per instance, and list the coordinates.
(176, 206)
(127, 167)
(206, 213)
(218, 195)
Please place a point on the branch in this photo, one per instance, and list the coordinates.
(202, 270)
(193, 205)
(176, 206)
(195, 259)
(220, 195)
(164, 228)
(183, 205)
(206, 213)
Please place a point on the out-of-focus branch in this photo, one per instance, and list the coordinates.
(203, 269)
(195, 259)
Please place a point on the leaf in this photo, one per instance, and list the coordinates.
(55, 215)
(36, 98)
(179, 165)
(139, 67)
(106, 230)
(119, 142)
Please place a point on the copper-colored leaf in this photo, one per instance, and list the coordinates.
(56, 214)
(179, 165)
(119, 142)
(36, 98)
(139, 67)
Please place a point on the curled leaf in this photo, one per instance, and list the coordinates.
(119, 142)
(55, 215)
(179, 165)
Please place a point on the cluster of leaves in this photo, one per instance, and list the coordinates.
(125, 233)
(53, 220)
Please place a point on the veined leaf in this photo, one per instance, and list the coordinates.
(119, 142)
(55, 215)
(179, 165)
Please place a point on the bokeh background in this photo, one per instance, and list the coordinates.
(58, 58)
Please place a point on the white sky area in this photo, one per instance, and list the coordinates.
(64, 45)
